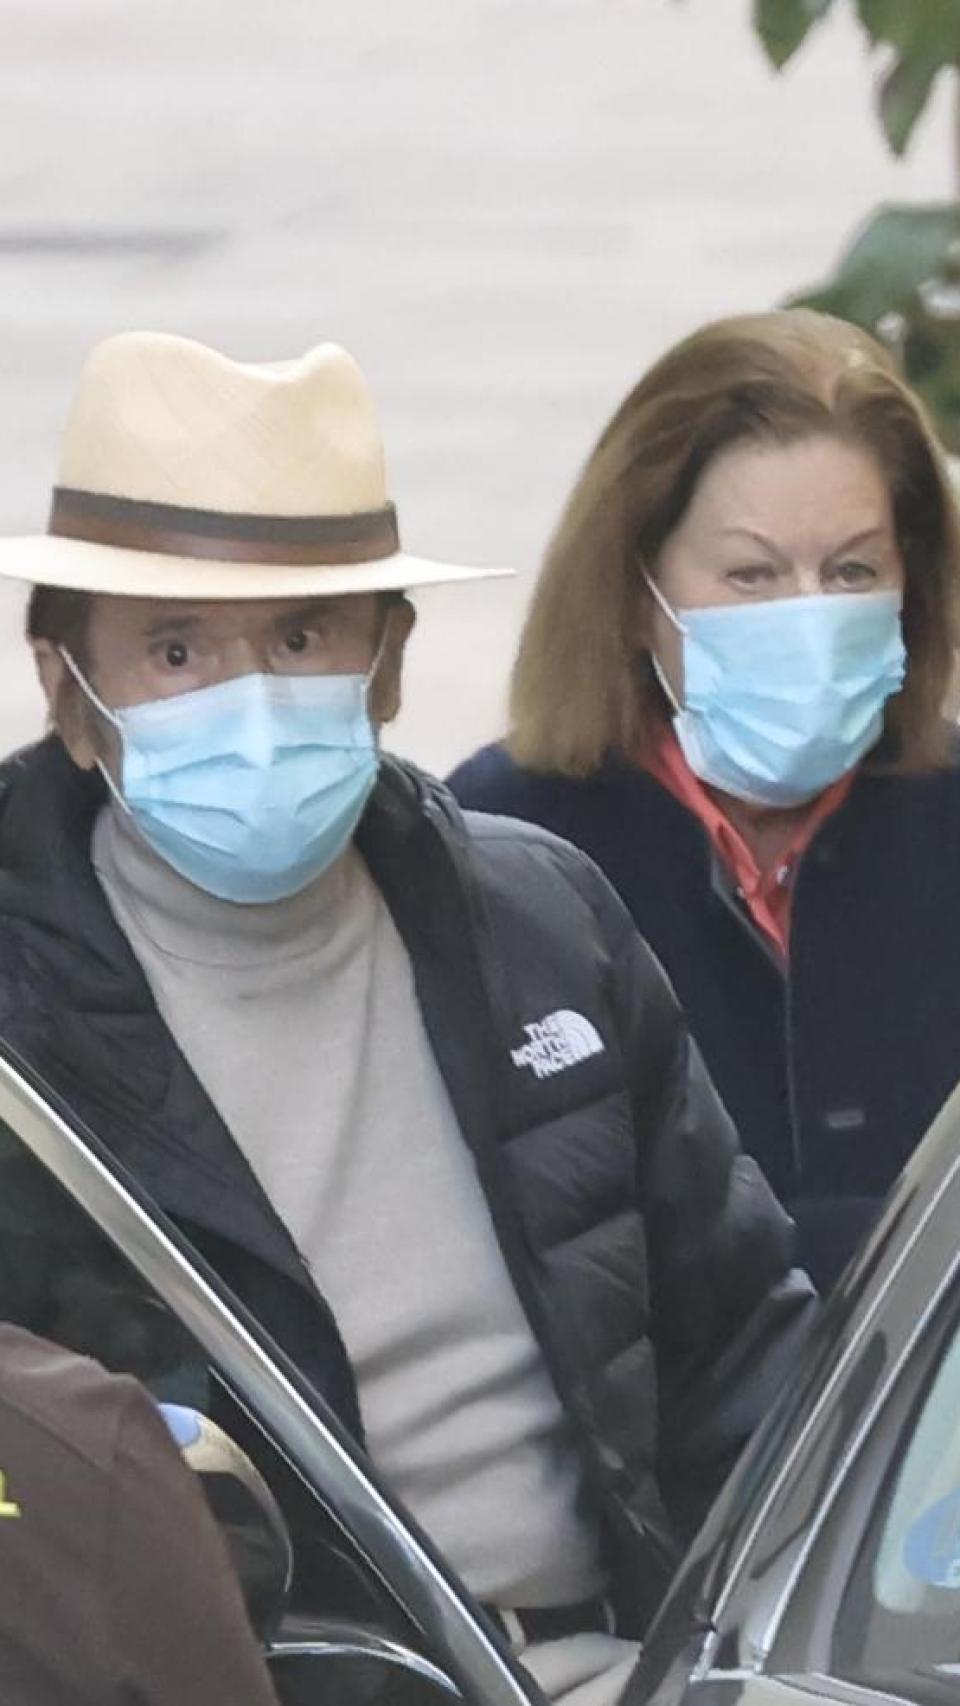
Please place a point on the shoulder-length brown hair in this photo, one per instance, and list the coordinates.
(583, 687)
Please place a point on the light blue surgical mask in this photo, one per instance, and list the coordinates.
(250, 788)
(783, 697)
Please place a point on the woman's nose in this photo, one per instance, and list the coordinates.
(807, 580)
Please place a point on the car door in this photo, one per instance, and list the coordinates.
(831, 1566)
(374, 1615)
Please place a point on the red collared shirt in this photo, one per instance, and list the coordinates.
(768, 894)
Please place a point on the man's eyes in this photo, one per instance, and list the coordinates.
(173, 654)
(300, 641)
(304, 640)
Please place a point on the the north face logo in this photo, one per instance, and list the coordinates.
(556, 1042)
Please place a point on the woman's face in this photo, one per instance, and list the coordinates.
(777, 521)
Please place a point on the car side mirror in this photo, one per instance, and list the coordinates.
(245, 1511)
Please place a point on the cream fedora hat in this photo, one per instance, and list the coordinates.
(184, 474)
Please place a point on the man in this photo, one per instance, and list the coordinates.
(410, 1080)
(116, 1583)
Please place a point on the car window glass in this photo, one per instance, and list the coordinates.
(61, 1277)
(898, 1624)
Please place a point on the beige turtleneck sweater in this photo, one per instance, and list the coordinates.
(301, 1021)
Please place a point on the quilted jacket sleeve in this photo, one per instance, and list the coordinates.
(730, 1315)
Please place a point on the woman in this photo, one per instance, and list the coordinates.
(729, 692)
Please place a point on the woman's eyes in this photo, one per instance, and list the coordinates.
(760, 577)
(752, 576)
(852, 574)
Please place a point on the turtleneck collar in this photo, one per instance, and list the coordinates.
(184, 922)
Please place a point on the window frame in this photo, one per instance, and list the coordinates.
(880, 1332)
(806, 1635)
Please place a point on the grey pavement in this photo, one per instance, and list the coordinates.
(505, 208)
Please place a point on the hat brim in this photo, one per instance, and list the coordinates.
(82, 566)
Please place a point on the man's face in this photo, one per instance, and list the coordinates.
(141, 649)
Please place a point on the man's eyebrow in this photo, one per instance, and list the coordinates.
(171, 624)
(303, 612)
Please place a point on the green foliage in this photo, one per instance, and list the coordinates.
(924, 43)
(890, 257)
(782, 25)
(900, 276)
(920, 38)
(901, 273)
(889, 21)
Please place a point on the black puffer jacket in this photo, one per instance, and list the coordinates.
(833, 1065)
(648, 1252)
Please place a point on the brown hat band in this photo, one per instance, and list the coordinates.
(175, 531)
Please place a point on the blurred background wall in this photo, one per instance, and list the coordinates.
(505, 208)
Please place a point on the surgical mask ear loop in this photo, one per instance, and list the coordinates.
(676, 623)
(371, 674)
(105, 711)
(85, 688)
